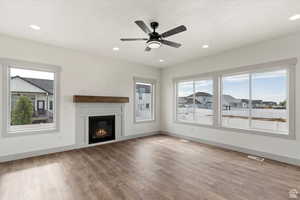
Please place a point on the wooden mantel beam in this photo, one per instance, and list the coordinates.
(99, 99)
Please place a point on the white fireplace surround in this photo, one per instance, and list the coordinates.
(86, 110)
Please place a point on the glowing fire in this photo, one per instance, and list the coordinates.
(101, 132)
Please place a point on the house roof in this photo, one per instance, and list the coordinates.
(187, 100)
(199, 94)
(44, 84)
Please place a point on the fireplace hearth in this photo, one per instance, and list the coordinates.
(101, 129)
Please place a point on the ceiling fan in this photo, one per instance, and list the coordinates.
(155, 39)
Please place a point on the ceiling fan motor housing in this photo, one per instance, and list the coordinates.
(154, 25)
(154, 36)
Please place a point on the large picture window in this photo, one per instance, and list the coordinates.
(31, 98)
(195, 101)
(144, 100)
(258, 99)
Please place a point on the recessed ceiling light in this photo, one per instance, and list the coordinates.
(294, 17)
(205, 46)
(161, 60)
(116, 48)
(34, 27)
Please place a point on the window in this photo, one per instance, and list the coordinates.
(195, 101)
(256, 99)
(235, 101)
(269, 103)
(51, 105)
(185, 101)
(144, 100)
(41, 105)
(28, 89)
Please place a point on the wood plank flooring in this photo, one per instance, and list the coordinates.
(151, 168)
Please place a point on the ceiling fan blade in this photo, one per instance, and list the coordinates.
(132, 39)
(143, 26)
(148, 49)
(170, 43)
(173, 31)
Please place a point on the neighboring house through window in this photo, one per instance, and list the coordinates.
(144, 100)
(195, 101)
(31, 89)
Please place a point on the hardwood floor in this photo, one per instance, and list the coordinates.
(154, 168)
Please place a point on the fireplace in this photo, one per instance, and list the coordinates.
(101, 128)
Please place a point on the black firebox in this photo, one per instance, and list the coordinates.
(101, 128)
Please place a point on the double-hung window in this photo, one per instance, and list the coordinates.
(144, 100)
(30, 97)
(256, 99)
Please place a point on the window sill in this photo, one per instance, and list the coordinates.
(32, 130)
(144, 121)
(194, 124)
(260, 132)
(244, 131)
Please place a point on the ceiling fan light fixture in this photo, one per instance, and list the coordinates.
(154, 39)
(154, 44)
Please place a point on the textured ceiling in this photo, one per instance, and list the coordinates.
(95, 26)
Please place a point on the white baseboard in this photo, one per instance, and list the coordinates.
(35, 153)
(68, 148)
(270, 156)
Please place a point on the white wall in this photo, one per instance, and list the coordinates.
(281, 48)
(82, 74)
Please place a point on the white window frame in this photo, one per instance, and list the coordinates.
(286, 64)
(21, 130)
(153, 82)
